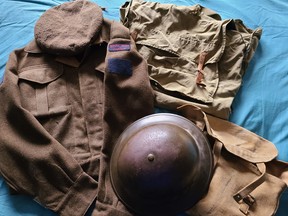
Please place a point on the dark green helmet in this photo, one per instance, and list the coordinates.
(161, 165)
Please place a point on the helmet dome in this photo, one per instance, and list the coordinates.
(161, 165)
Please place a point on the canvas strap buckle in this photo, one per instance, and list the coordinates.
(246, 203)
(243, 197)
(249, 199)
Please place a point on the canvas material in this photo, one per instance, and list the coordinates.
(245, 169)
(194, 56)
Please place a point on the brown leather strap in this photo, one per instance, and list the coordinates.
(200, 75)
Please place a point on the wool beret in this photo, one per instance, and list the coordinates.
(68, 28)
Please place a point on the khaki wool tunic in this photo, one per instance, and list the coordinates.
(65, 100)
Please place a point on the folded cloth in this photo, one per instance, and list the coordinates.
(194, 56)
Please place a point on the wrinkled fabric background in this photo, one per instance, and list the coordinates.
(260, 105)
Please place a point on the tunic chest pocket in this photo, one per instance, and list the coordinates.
(43, 90)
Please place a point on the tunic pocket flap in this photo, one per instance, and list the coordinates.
(41, 74)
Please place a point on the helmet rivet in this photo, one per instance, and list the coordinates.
(150, 157)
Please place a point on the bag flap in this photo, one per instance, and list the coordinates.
(242, 142)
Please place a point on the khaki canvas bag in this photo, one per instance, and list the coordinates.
(247, 179)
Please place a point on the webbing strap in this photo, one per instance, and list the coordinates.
(244, 197)
(217, 147)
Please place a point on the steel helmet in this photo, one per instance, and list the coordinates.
(161, 165)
